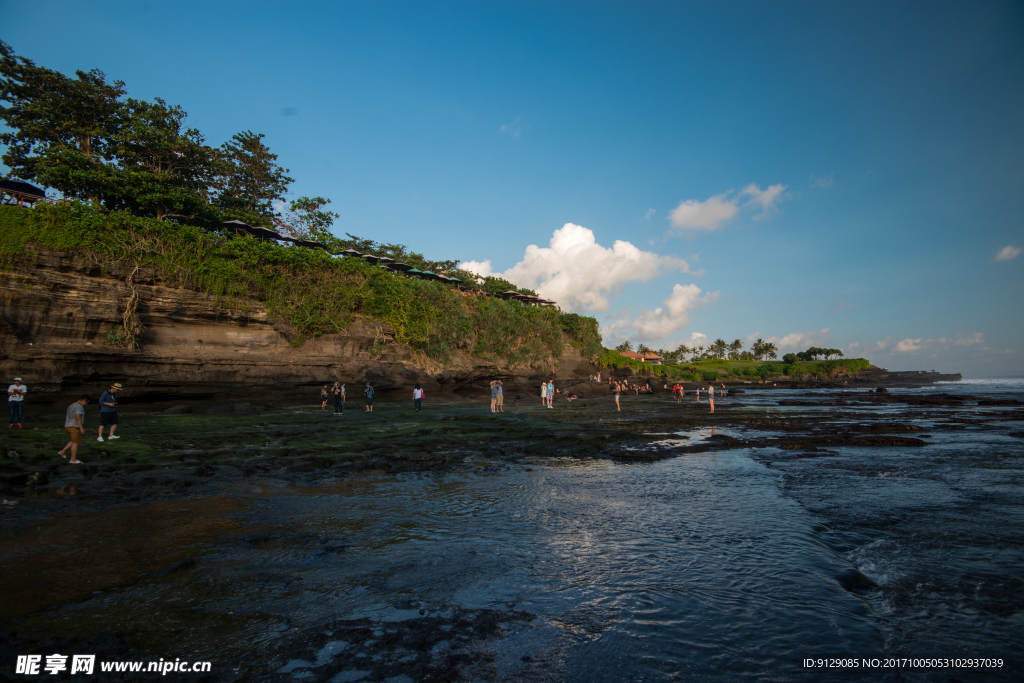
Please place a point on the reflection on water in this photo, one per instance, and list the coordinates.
(712, 566)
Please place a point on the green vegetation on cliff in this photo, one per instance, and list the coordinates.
(710, 370)
(309, 289)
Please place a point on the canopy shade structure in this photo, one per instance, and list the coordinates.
(371, 258)
(385, 259)
(400, 266)
(262, 233)
(350, 252)
(455, 279)
(413, 271)
(20, 186)
(427, 273)
(309, 244)
(510, 293)
(443, 278)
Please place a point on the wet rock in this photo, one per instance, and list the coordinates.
(178, 566)
(855, 580)
(999, 402)
(178, 410)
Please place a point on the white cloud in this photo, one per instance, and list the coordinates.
(650, 212)
(910, 345)
(1007, 253)
(883, 345)
(799, 341)
(579, 273)
(693, 216)
(673, 314)
(976, 338)
(654, 325)
(822, 182)
(516, 128)
(766, 199)
(481, 268)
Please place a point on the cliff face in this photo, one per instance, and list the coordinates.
(56, 309)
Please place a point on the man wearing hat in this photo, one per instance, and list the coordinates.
(16, 401)
(108, 411)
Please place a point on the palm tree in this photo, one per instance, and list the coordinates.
(683, 351)
(757, 349)
(624, 346)
(770, 350)
(644, 348)
(734, 349)
(719, 348)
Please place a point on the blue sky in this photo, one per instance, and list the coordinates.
(838, 174)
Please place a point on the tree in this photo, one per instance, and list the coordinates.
(163, 170)
(757, 349)
(771, 351)
(644, 348)
(624, 346)
(682, 351)
(734, 349)
(307, 219)
(252, 182)
(789, 358)
(719, 348)
(61, 128)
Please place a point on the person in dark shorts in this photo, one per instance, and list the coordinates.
(368, 393)
(108, 411)
(417, 397)
(16, 402)
(74, 425)
(323, 398)
(339, 398)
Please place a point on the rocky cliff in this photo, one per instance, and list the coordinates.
(58, 309)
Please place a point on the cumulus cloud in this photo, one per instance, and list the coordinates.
(654, 325)
(799, 341)
(650, 212)
(693, 216)
(579, 273)
(1007, 253)
(909, 344)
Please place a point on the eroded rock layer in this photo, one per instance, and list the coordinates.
(58, 308)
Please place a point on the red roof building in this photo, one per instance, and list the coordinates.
(653, 358)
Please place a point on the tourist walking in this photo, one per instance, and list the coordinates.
(16, 402)
(711, 396)
(339, 398)
(501, 397)
(323, 398)
(551, 393)
(417, 398)
(74, 425)
(368, 393)
(108, 411)
(617, 390)
(494, 395)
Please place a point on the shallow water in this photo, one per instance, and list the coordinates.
(719, 566)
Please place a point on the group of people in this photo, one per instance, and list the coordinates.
(338, 392)
(74, 421)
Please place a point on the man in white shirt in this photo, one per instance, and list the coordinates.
(16, 402)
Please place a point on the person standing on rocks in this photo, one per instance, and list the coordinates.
(339, 398)
(551, 393)
(323, 398)
(711, 396)
(74, 425)
(501, 397)
(617, 390)
(494, 395)
(16, 402)
(543, 394)
(368, 393)
(417, 398)
(108, 411)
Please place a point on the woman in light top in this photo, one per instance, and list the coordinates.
(551, 393)
(543, 394)
(711, 396)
